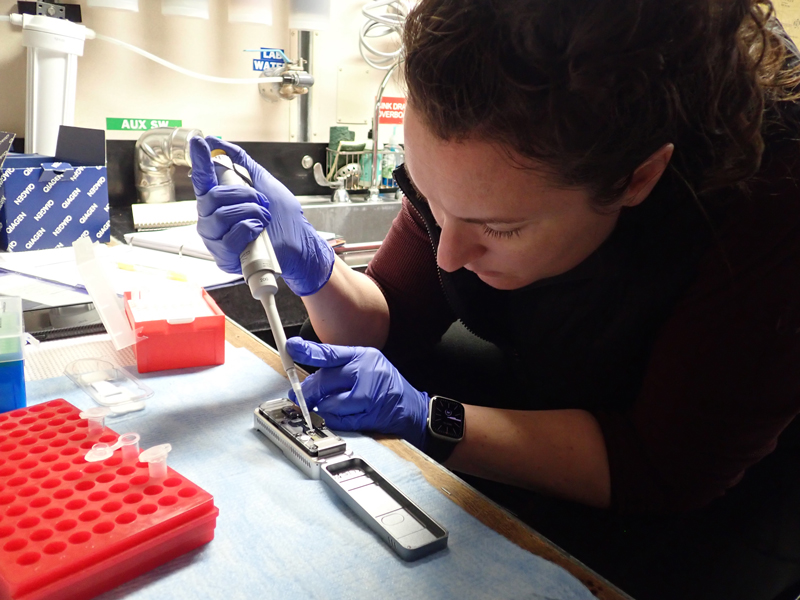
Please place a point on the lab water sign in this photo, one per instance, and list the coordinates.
(268, 58)
(113, 124)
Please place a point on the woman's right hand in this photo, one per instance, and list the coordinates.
(230, 217)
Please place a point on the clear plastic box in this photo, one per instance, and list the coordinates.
(12, 365)
(108, 385)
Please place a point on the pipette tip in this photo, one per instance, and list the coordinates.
(291, 373)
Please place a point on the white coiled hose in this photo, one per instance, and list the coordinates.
(384, 18)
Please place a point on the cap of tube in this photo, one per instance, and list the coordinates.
(99, 451)
(129, 442)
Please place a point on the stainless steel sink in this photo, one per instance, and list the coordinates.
(356, 222)
(363, 225)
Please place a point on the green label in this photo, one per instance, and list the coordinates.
(140, 124)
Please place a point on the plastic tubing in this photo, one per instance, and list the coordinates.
(174, 67)
(183, 71)
(379, 25)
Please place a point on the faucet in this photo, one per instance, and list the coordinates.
(339, 193)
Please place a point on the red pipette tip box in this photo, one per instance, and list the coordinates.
(70, 529)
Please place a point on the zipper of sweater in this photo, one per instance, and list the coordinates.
(439, 272)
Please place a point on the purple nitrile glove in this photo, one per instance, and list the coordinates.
(358, 389)
(230, 217)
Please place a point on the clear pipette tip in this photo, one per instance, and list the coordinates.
(291, 373)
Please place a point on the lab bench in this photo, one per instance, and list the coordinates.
(246, 328)
(459, 492)
(263, 499)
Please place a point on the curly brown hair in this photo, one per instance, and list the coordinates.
(591, 88)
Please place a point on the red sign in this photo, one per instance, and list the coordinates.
(392, 110)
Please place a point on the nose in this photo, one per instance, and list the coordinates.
(456, 247)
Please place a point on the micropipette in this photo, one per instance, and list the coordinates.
(259, 267)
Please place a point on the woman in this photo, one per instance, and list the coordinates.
(606, 192)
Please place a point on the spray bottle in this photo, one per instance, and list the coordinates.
(389, 159)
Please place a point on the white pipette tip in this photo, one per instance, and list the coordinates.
(291, 373)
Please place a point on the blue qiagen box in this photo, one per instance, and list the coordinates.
(49, 202)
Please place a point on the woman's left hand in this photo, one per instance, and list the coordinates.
(358, 389)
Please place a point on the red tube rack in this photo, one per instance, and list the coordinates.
(69, 529)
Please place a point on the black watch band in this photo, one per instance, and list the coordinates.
(438, 449)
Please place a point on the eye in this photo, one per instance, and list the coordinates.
(500, 234)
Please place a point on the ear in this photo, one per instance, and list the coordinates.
(646, 176)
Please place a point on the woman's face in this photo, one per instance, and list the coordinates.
(508, 225)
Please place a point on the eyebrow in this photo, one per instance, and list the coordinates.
(492, 221)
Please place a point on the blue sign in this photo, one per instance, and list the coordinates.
(269, 58)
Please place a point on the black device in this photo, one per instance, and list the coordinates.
(54, 9)
(47, 323)
(446, 419)
(317, 442)
(446, 426)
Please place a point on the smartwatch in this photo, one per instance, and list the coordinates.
(446, 427)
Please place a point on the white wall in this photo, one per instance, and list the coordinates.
(115, 82)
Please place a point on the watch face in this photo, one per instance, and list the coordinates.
(447, 418)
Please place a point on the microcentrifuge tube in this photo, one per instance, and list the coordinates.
(96, 418)
(156, 459)
(130, 446)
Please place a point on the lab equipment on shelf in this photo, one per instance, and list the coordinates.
(391, 153)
